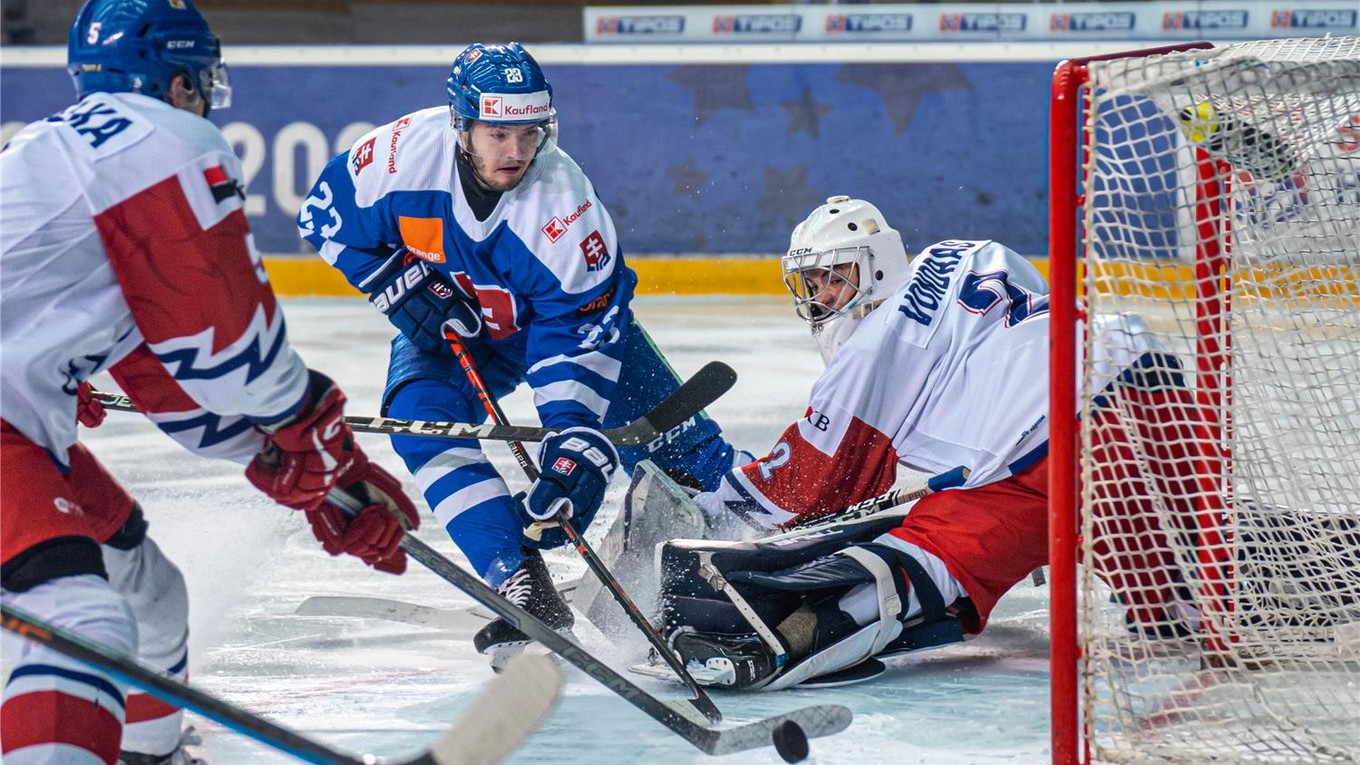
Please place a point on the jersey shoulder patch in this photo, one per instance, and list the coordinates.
(561, 220)
(412, 153)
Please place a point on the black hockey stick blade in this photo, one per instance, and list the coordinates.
(703, 388)
(679, 716)
(512, 706)
(710, 382)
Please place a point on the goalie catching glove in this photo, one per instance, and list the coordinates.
(420, 302)
(312, 453)
(577, 465)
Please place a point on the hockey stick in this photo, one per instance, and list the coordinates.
(512, 706)
(701, 700)
(882, 503)
(866, 508)
(787, 732)
(647, 428)
(466, 620)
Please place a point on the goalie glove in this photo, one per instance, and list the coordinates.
(314, 452)
(420, 302)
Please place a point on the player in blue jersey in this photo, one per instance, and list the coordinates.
(471, 218)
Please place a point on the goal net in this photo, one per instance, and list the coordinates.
(1216, 225)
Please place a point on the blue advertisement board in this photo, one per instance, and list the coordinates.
(690, 158)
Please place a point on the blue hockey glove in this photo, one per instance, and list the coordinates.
(577, 464)
(420, 302)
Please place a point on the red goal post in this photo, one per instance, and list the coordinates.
(1213, 196)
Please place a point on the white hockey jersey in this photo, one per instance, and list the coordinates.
(123, 239)
(949, 376)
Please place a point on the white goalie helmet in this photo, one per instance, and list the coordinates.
(843, 260)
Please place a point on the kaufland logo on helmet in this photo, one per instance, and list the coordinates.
(1328, 18)
(507, 107)
(1231, 19)
(640, 25)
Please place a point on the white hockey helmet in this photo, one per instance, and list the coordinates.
(843, 231)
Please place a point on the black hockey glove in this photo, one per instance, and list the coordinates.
(420, 302)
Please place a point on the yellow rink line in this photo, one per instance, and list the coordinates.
(310, 276)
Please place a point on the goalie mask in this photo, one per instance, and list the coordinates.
(842, 262)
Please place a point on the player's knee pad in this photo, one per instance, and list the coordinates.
(49, 694)
(154, 587)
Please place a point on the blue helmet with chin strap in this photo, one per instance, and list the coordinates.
(139, 46)
(499, 84)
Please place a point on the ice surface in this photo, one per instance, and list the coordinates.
(390, 689)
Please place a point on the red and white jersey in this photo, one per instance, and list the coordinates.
(122, 230)
(949, 376)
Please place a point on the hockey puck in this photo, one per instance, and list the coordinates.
(790, 741)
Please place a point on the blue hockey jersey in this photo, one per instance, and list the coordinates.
(545, 265)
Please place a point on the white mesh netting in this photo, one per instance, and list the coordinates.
(1220, 616)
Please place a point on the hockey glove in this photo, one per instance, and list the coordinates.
(89, 412)
(374, 535)
(577, 465)
(314, 452)
(420, 302)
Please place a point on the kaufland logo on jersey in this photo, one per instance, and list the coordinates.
(1330, 18)
(1091, 22)
(982, 22)
(851, 23)
(1235, 19)
(640, 25)
(757, 24)
(514, 107)
(557, 227)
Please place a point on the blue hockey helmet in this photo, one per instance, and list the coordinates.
(139, 46)
(500, 84)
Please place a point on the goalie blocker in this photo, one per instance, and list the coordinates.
(814, 608)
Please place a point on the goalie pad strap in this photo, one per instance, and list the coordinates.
(927, 592)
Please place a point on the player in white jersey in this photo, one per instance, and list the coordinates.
(940, 366)
(124, 248)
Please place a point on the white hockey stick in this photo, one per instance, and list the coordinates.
(512, 706)
(462, 621)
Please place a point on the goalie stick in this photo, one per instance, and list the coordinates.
(694, 401)
(679, 716)
(511, 706)
(692, 395)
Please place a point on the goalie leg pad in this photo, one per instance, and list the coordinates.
(832, 613)
(655, 510)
